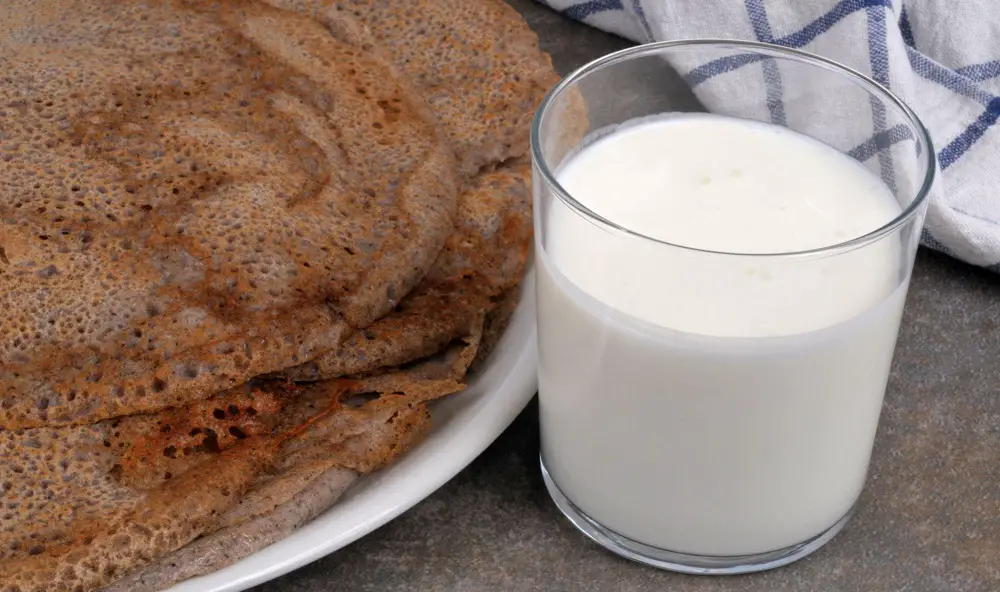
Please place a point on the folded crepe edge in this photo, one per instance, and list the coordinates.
(225, 547)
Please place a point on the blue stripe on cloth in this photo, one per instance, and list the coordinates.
(775, 90)
(935, 72)
(878, 56)
(720, 66)
(585, 9)
(641, 13)
(800, 38)
(928, 240)
(826, 22)
(772, 75)
(881, 141)
(967, 139)
(980, 72)
(905, 29)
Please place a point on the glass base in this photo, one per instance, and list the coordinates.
(684, 562)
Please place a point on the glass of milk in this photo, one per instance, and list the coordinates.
(725, 234)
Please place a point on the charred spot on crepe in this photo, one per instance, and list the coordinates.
(153, 448)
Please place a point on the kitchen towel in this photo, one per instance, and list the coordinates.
(940, 56)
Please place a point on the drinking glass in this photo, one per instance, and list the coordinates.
(716, 453)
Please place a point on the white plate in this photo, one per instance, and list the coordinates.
(464, 425)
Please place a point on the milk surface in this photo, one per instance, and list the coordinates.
(706, 403)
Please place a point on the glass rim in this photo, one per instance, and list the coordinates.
(858, 78)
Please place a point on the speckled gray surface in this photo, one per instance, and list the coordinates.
(929, 519)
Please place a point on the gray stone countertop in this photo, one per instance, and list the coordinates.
(929, 518)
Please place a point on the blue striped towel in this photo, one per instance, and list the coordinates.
(940, 56)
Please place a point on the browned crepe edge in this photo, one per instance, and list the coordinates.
(497, 321)
(227, 546)
(268, 525)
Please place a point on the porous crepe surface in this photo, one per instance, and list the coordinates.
(226, 546)
(144, 453)
(381, 396)
(279, 483)
(131, 491)
(195, 194)
(495, 324)
(82, 504)
(86, 504)
(455, 50)
(155, 523)
(484, 256)
(310, 474)
(476, 61)
(493, 229)
(424, 323)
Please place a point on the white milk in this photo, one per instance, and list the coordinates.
(703, 403)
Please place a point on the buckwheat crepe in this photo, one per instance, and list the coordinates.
(244, 244)
(196, 194)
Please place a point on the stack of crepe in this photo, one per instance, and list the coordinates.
(244, 244)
